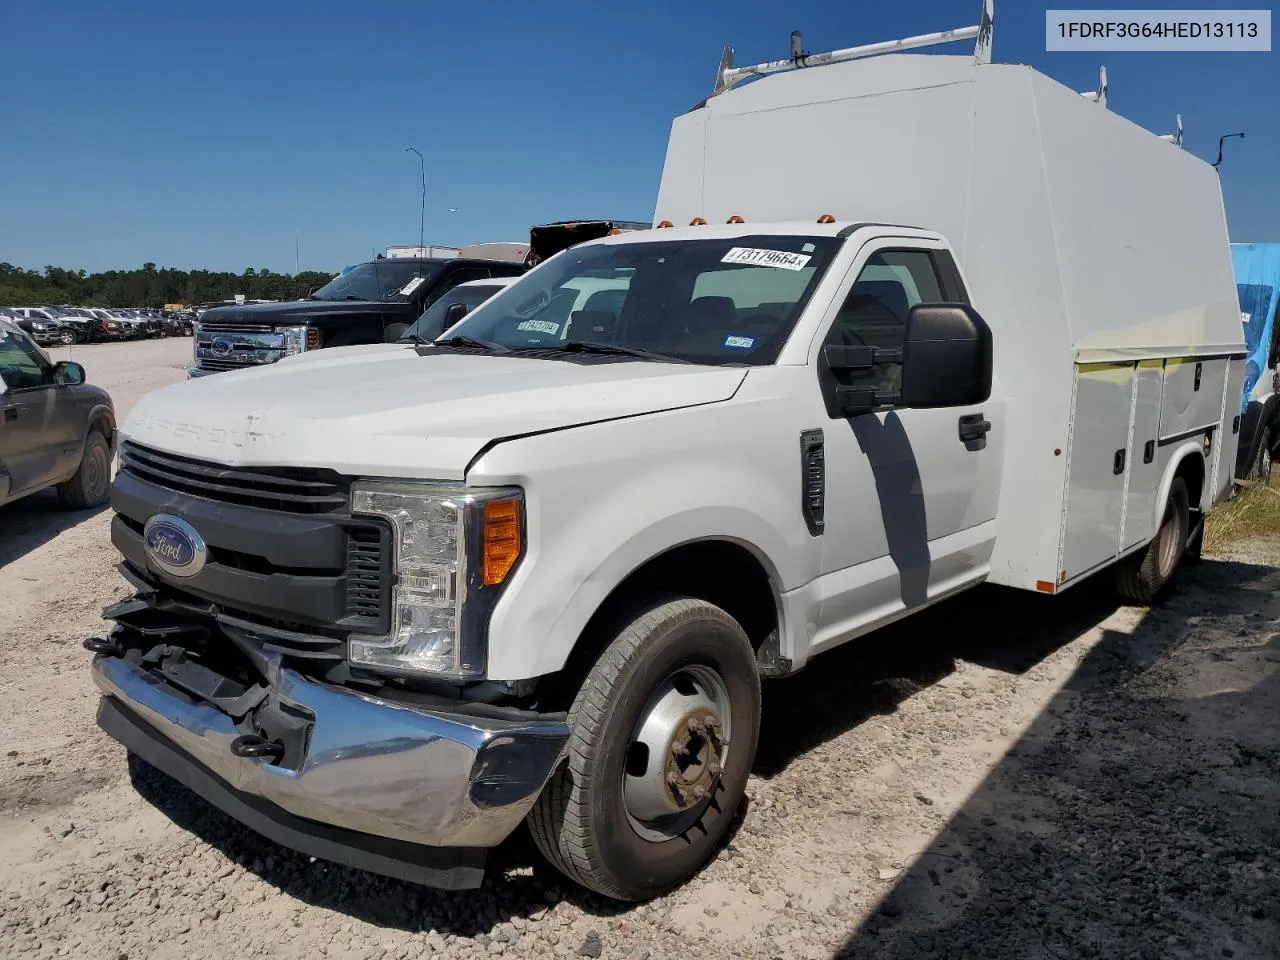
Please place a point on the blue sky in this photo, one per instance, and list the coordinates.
(205, 134)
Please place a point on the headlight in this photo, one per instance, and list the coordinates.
(300, 338)
(454, 550)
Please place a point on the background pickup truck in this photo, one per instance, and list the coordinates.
(373, 302)
(54, 428)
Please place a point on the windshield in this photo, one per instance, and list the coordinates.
(432, 322)
(724, 301)
(383, 280)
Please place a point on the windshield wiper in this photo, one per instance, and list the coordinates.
(588, 346)
(462, 340)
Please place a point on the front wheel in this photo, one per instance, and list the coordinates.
(1142, 577)
(91, 484)
(664, 734)
(66, 336)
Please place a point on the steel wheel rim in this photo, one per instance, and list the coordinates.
(67, 337)
(677, 753)
(1264, 460)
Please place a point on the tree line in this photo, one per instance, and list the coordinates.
(149, 286)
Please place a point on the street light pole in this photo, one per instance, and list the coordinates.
(422, 215)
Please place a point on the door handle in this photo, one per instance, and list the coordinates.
(973, 427)
(10, 413)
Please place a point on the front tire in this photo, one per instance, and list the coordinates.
(664, 735)
(67, 337)
(90, 486)
(1142, 577)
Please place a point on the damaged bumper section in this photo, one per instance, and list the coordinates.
(403, 790)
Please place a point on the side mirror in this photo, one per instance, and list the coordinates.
(455, 313)
(68, 373)
(946, 357)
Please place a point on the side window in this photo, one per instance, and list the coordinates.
(874, 314)
(452, 279)
(21, 366)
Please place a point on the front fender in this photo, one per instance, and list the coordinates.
(593, 521)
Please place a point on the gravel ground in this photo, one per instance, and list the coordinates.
(1005, 776)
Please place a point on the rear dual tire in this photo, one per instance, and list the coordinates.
(664, 732)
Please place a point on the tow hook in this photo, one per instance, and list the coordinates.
(102, 646)
(252, 745)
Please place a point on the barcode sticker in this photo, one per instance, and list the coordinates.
(782, 259)
(540, 326)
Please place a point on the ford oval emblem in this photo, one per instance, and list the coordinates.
(221, 347)
(174, 545)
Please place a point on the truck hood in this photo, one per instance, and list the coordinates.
(297, 311)
(383, 410)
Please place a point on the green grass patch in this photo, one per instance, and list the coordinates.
(1252, 513)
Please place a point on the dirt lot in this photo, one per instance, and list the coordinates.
(1006, 776)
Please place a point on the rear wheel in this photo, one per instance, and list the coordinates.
(91, 484)
(664, 734)
(1261, 470)
(1142, 577)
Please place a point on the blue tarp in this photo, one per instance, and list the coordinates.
(1257, 268)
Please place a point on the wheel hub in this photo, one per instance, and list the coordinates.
(695, 759)
(677, 753)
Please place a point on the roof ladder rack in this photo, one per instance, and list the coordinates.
(1098, 96)
(1176, 137)
(727, 75)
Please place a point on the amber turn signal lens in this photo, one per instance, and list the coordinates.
(501, 539)
(313, 339)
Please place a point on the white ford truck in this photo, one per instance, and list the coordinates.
(936, 322)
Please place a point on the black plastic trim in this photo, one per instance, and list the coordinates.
(447, 868)
(845, 232)
(1187, 435)
(813, 480)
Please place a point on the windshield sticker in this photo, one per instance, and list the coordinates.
(783, 259)
(1245, 318)
(540, 326)
(740, 343)
(411, 286)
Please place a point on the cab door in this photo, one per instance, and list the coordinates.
(38, 439)
(911, 494)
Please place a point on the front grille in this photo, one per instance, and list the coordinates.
(334, 570)
(208, 363)
(289, 489)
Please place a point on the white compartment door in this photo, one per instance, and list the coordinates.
(1098, 464)
(1145, 468)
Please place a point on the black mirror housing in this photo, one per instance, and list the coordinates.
(946, 357)
(69, 373)
(455, 313)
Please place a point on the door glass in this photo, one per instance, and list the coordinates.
(21, 365)
(875, 312)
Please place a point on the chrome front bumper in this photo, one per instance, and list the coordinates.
(372, 772)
